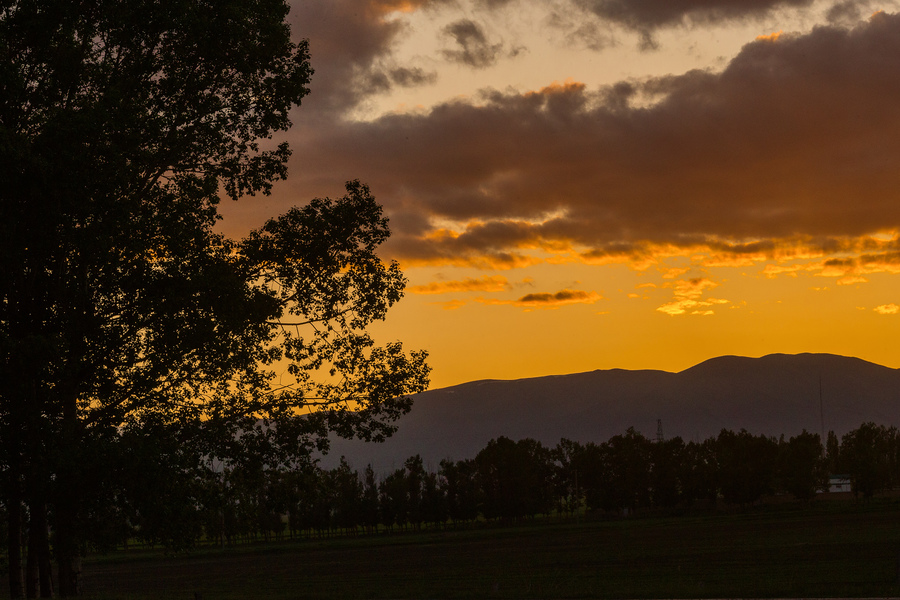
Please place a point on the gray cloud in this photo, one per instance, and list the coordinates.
(798, 137)
(474, 49)
(411, 77)
(643, 15)
(349, 42)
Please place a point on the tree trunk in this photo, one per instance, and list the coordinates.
(14, 548)
(32, 573)
(67, 550)
(67, 545)
(40, 579)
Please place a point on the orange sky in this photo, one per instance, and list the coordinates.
(583, 184)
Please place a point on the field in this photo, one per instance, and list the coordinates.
(827, 550)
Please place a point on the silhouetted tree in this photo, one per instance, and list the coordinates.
(566, 486)
(864, 453)
(747, 466)
(588, 462)
(369, 503)
(434, 503)
(415, 478)
(666, 472)
(120, 124)
(626, 472)
(393, 496)
(461, 490)
(802, 466)
(700, 472)
(347, 495)
(514, 478)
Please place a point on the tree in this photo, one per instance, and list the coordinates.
(369, 502)
(393, 500)
(864, 452)
(121, 123)
(589, 463)
(700, 472)
(565, 476)
(626, 472)
(666, 472)
(803, 467)
(415, 479)
(460, 488)
(746, 466)
(515, 478)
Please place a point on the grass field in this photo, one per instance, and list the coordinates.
(827, 550)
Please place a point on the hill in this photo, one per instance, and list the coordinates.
(771, 395)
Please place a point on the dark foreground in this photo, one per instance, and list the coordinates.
(832, 549)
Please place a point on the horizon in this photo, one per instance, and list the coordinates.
(712, 358)
(573, 187)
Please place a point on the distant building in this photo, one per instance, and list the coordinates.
(839, 483)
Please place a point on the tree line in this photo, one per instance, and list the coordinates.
(179, 503)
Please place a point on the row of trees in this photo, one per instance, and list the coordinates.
(178, 503)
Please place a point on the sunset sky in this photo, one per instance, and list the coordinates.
(591, 184)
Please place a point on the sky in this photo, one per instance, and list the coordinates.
(593, 184)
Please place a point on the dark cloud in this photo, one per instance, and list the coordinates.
(847, 12)
(406, 77)
(474, 49)
(798, 138)
(546, 300)
(561, 297)
(493, 4)
(349, 40)
(644, 15)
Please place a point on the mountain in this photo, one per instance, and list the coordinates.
(775, 394)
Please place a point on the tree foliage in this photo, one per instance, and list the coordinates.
(122, 124)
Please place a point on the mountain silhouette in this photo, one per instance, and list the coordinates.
(773, 395)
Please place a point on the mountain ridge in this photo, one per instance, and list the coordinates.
(774, 394)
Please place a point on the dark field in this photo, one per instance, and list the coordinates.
(830, 549)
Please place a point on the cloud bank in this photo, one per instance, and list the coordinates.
(793, 145)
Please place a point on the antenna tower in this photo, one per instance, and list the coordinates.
(821, 409)
(659, 432)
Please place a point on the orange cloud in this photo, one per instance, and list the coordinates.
(688, 305)
(451, 304)
(688, 293)
(494, 283)
(772, 37)
(887, 309)
(851, 280)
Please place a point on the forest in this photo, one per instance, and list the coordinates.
(179, 507)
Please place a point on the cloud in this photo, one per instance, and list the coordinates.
(451, 304)
(548, 300)
(351, 43)
(794, 144)
(852, 280)
(887, 309)
(411, 77)
(483, 284)
(474, 48)
(644, 15)
(848, 12)
(688, 297)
